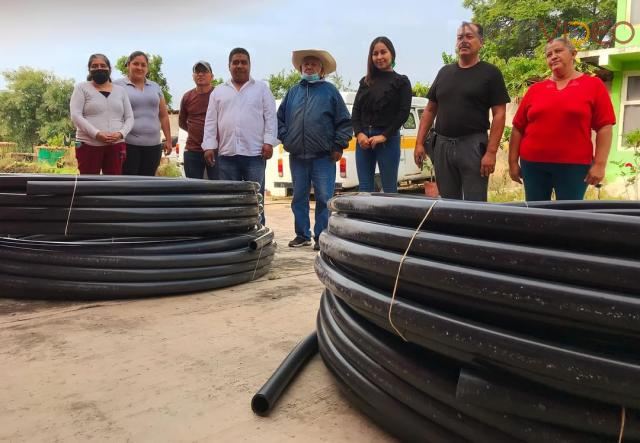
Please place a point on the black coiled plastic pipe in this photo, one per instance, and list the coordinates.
(508, 323)
(107, 237)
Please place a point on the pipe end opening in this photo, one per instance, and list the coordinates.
(260, 404)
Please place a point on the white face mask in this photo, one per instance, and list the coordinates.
(311, 77)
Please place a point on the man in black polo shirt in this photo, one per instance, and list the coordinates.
(461, 96)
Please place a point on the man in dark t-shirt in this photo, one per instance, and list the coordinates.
(461, 96)
(193, 110)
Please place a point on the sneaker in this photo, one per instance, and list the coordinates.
(316, 246)
(299, 241)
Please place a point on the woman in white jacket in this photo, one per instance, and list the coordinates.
(102, 114)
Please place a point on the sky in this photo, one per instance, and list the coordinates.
(58, 36)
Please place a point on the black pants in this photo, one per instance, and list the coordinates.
(142, 160)
(457, 165)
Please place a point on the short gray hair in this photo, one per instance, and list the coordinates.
(565, 41)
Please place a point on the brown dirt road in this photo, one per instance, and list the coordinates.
(175, 368)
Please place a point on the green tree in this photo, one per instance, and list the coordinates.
(281, 82)
(516, 32)
(339, 82)
(519, 72)
(518, 27)
(447, 59)
(4, 132)
(54, 112)
(35, 107)
(217, 81)
(155, 73)
(420, 89)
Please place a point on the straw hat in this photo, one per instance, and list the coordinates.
(327, 60)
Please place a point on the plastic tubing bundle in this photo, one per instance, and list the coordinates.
(507, 323)
(102, 237)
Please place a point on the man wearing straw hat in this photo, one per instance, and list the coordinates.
(314, 126)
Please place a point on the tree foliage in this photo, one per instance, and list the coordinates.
(54, 112)
(155, 73)
(518, 27)
(281, 82)
(35, 107)
(516, 32)
(339, 82)
(519, 72)
(447, 59)
(420, 89)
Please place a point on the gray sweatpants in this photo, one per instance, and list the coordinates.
(457, 166)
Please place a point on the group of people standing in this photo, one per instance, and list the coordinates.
(315, 127)
(550, 148)
(233, 127)
(118, 123)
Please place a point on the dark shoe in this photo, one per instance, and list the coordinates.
(316, 246)
(299, 241)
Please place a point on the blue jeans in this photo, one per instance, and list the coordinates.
(243, 168)
(321, 173)
(386, 155)
(540, 179)
(194, 166)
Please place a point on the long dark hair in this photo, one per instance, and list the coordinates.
(372, 70)
(135, 54)
(92, 57)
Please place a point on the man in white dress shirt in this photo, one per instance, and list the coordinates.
(240, 124)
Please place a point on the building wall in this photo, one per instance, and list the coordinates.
(622, 33)
(616, 95)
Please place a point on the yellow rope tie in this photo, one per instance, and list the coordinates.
(404, 256)
(257, 263)
(73, 196)
(622, 424)
(255, 191)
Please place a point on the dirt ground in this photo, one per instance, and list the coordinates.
(176, 368)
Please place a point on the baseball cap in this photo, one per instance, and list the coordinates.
(206, 65)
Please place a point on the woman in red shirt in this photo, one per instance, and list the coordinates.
(551, 134)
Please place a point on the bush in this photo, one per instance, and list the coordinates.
(19, 166)
(9, 165)
(630, 170)
(169, 170)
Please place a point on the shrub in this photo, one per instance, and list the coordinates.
(630, 170)
(169, 169)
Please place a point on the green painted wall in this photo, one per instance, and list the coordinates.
(616, 155)
(632, 66)
(624, 32)
(622, 10)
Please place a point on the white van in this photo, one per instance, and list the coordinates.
(278, 175)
